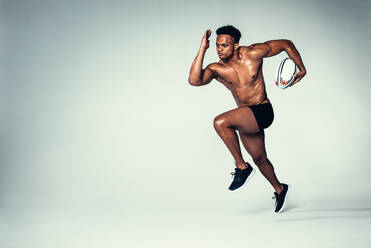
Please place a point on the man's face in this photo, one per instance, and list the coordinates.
(225, 46)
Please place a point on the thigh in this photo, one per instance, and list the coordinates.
(242, 119)
(254, 144)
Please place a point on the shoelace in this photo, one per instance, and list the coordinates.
(275, 203)
(234, 173)
(275, 197)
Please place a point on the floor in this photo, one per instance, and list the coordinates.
(322, 222)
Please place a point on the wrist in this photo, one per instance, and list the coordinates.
(203, 48)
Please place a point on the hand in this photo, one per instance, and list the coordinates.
(298, 76)
(205, 43)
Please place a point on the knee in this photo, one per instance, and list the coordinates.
(260, 160)
(219, 123)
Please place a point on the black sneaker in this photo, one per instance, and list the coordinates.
(281, 198)
(241, 176)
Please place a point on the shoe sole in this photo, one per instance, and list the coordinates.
(250, 176)
(287, 194)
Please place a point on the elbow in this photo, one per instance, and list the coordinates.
(193, 82)
(289, 44)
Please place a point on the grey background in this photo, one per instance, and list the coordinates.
(105, 144)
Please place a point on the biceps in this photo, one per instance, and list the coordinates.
(207, 76)
(276, 46)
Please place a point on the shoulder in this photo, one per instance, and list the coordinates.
(215, 66)
(242, 50)
(258, 47)
(254, 51)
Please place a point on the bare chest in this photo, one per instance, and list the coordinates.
(241, 75)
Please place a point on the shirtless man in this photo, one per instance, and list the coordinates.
(240, 70)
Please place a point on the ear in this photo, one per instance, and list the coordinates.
(236, 45)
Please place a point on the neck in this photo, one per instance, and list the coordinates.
(231, 60)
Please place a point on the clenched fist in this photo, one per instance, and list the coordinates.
(205, 43)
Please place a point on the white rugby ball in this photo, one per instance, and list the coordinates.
(285, 73)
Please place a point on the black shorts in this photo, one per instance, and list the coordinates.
(263, 114)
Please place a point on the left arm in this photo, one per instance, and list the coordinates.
(274, 47)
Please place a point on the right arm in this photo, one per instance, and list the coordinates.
(197, 75)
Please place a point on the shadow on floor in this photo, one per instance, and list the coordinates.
(333, 209)
(293, 211)
(336, 213)
(326, 217)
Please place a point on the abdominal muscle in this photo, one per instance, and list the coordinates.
(250, 95)
(246, 82)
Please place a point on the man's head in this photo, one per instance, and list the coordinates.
(227, 41)
(231, 31)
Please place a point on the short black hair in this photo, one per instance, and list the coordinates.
(232, 31)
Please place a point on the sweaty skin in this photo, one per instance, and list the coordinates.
(240, 70)
(240, 67)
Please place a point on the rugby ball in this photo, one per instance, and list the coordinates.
(285, 73)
